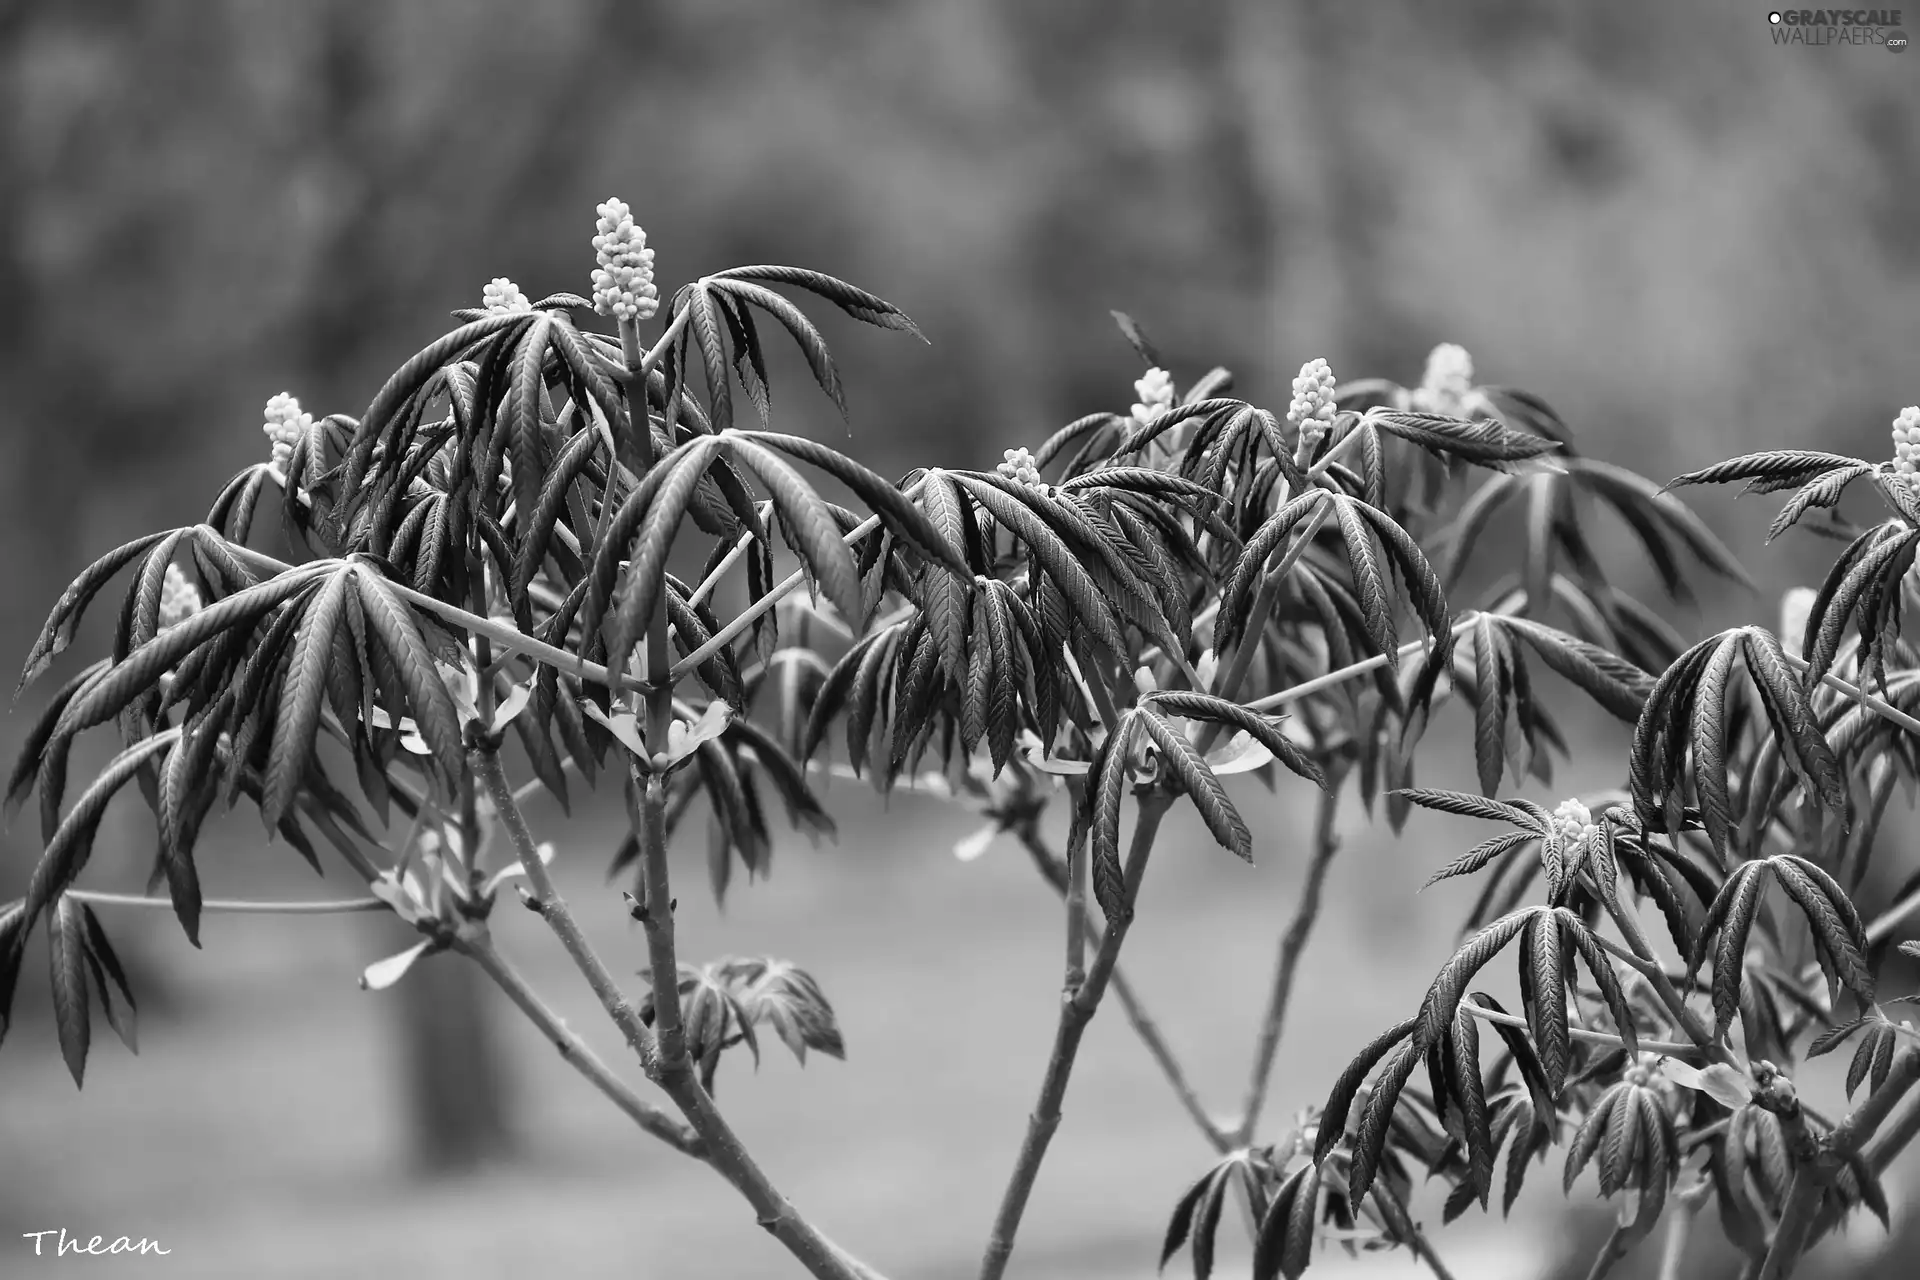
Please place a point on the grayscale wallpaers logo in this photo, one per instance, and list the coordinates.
(1838, 26)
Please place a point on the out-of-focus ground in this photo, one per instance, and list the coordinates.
(1691, 241)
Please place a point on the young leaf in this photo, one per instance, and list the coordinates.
(392, 623)
(1190, 772)
(1106, 785)
(65, 617)
(1339, 1104)
(67, 942)
(301, 692)
(1261, 728)
(819, 542)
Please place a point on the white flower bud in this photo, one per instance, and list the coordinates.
(1019, 467)
(1155, 390)
(502, 294)
(623, 282)
(1574, 821)
(284, 426)
(1311, 410)
(1448, 382)
(1906, 441)
(1795, 608)
(179, 598)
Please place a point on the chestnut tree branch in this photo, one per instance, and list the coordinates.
(1077, 1007)
(1293, 943)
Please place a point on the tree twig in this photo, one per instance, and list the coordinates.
(480, 949)
(1663, 987)
(1077, 1008)
(1817, 1167)
(722, 1147)
(1686, 1206)
(235, 906)
(1326, 845)
(1667, 1048)
(1359, 668)
(1144, 1025)
(485, 762)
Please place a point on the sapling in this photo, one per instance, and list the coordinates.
(1101, 628)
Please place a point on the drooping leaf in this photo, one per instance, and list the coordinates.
(1262, 729)
(67, 944)
(298, 720)
(1339, 1104)
(1196, 780)
(64, 619)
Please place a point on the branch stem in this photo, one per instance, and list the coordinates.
(1341, 675)
(1145, 1026)
(673, 1070)
(480, 949)
(1817, 1169)
(1673, 1250)
(1293, 943)
(1873, 702)
(485, 762)
(1077, 1007)
(1668, 1048)
(1662, 985)
(234, 906)
(1893, 917)
(662, 1052)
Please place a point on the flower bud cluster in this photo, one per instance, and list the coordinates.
(1448, 382)
(1311, 409)
(179, 598)
(285, 425)
(1574, 822)
(623, 282)
(1906, 441)
(1019, 467)
(1155, 390)
(1644, 1071)
(502, 294)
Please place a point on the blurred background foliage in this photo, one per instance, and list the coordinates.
(1689, 241)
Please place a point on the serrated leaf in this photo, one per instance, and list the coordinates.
(639, 599)
(1616, 684)
(72, 842)
(301, 694)
(1206, 1224)
(1196, 780)
(393, 624)
(1732, 912)
(1370, 1136)
(1261, 728)
(1481, 854)
(1339, 1104)
(1775, 466)
(1180, 1225)
(1061, 565)
(806, 516)
(67, 946)
(945, 598)
(57, 633)
(108, 977)
(1106, 785)
(917, 527)
(1449, 984)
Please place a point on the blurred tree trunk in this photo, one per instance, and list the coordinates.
(454, 1074)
